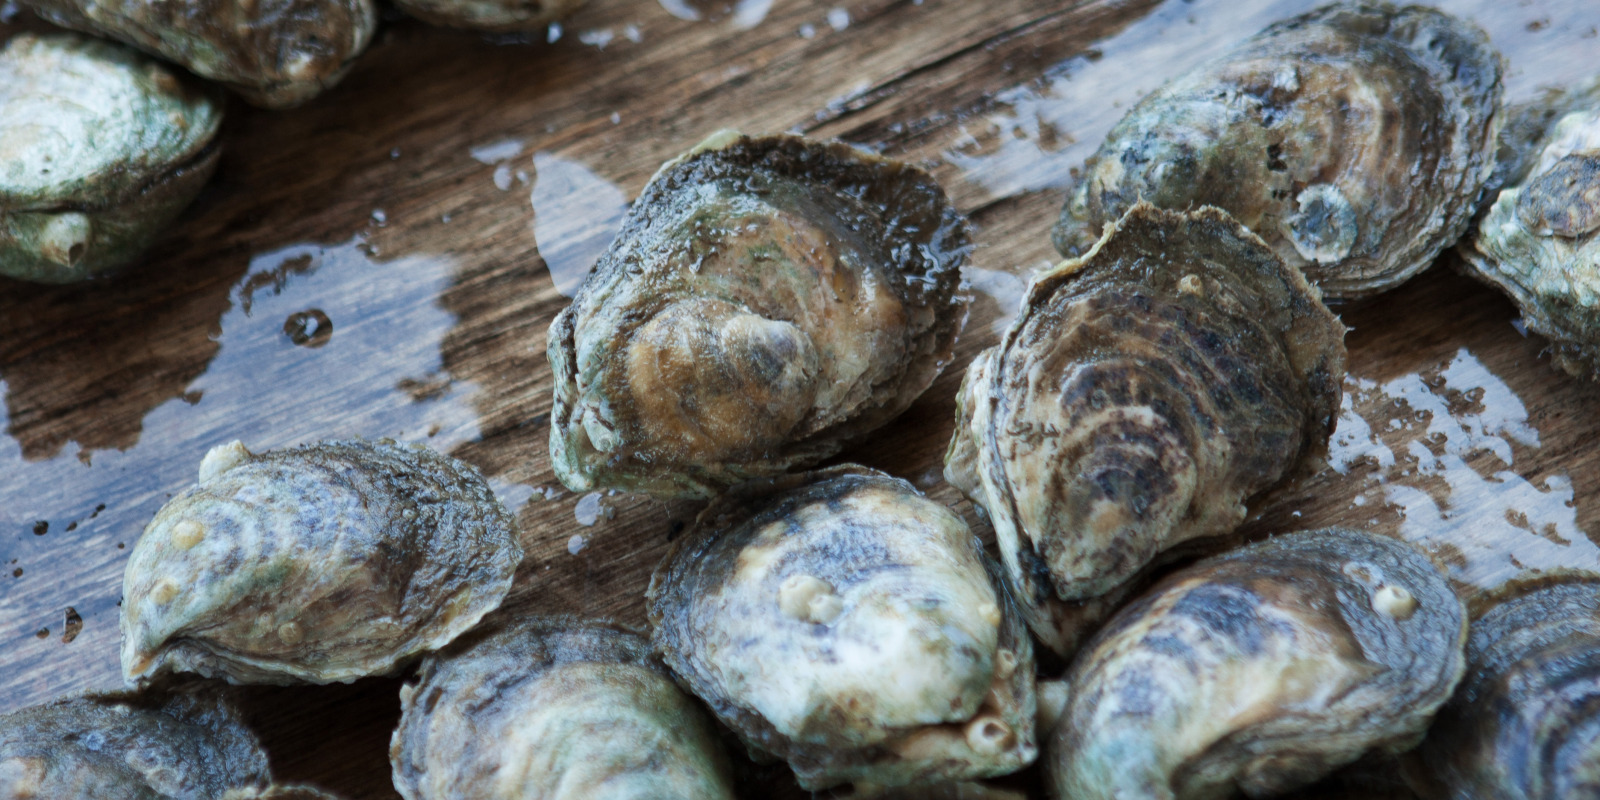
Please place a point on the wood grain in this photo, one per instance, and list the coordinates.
(370, 205)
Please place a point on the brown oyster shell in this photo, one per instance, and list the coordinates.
(846, 624)
(1143, 395)
(768, 298)
(553, 708)
(1354, 139)
(183, 743)
(319, 563)
(1261, 671)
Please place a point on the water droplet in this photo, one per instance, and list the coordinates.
(576, 544)
(808, 31)
(839, 18)
(553, 34)
(380, 217)
(495, 152)
(588, 509)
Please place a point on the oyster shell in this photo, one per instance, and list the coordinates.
(1354, 139)
(1144, 393)
(186, 744)
(1540, 240)
(1260, 671)
(274, 53)
(489, 15)
(553, 709)
(294, 792)
(100, 148)
(767, 298)
(1525, 722)
(842, 622)
(320, 563)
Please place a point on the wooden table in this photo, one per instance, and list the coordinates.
(437, 204)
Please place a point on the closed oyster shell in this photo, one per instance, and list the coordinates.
(1354, 139)
(1540, 240)
(320, 563)
(183, 744)
(489, 15)
(553, 708)
(1144, 393)
(767, 298)
(1261, 671)
(274, 53)
(100, 148)
(842, 622)
(1525, 723)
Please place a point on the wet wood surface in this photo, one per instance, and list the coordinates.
(385, 260)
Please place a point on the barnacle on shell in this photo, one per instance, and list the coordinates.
(767, 298)
(1354, 139)
(844, 623)
(320, 563)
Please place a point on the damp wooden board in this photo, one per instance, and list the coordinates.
(437, 203)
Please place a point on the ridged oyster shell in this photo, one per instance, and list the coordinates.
(184, 744)
(844, 623)
(274, 53)
(319, 563)
(1261, 671)
(1525, 723)
(767, 298)
(490, 15)
(100, 148)
(1540, 240)
(1144, 393)
(553, 708)
(1354, 139)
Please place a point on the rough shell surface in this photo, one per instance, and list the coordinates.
(100, 148)
(186, 744)
(1355, 140)
(1525, 723)
(280, 793)
(1261, 671)
(1540, 240)
(767, 298)
(274, 53)
(319, 563)
(1144, 393)
(490, 15)
(842, 622)
(554, 708)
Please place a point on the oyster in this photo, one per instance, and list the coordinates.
(1354, 139)
(553, 709)
(767, 298)
(295, 792)
(183, 744)
(1540, 241)
(489, 15)
(842, 622)
(1260, 671)
(100, 148)
(274, 53)
(1525, 723)
(319, 563)
(1145, 392)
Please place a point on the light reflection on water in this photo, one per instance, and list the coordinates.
(576, 214)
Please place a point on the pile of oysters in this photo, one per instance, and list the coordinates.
(771, 298)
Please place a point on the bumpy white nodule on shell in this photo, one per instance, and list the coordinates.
(320, 563)
(554, 709)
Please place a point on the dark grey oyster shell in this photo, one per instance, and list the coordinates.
(767, 298)
(320, 563)
(846, 624)
(1261, 671)
(1143, 395)
(553, 708)
(489, 15)
(100, 149)
(1540, 240)
(182, 744)
(1525, 723)
(1354, 139)
(274, 53)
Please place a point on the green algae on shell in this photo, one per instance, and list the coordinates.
(842, 622)
(100, 149)
(319, 563)
(768, 298)
(490, 15)
(549, 709)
